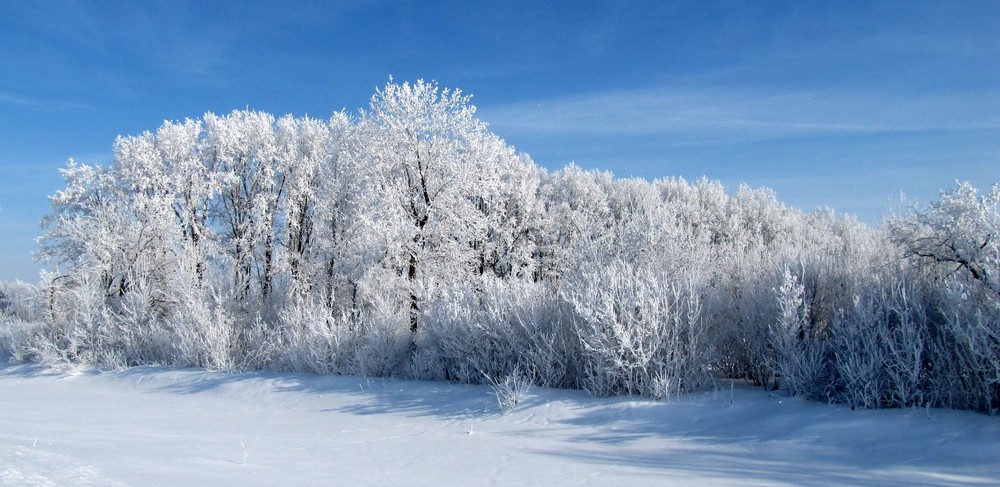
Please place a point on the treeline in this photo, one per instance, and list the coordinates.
(411, 241)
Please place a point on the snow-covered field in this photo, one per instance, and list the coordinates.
(157, 426)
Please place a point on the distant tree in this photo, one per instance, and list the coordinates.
(577, 220)
(511, 216)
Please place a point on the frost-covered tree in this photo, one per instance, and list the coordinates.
(191, 182)
(435, 161)
(960, 232)
(75, 209)
(304, 146)
(576, 219)
(243, 149)
(412, 241)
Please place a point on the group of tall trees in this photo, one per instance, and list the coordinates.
(410, 240)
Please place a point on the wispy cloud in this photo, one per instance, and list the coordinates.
(32, 102)
(721, 115)
(12, 99)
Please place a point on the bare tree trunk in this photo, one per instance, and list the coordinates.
(268, 277)
(414, 305)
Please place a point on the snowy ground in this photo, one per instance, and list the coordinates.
(155, 426)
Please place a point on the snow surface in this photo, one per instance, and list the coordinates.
(159, 426)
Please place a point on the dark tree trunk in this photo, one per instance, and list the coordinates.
(414, 305)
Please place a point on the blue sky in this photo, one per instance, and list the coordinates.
(837, 104)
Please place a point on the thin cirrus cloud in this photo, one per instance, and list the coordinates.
(14, 99)
(699, 116)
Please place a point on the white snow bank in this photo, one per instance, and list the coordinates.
(156, 426)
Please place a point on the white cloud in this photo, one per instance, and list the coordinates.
(31, 102)
(720, 115)
(12, 99)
